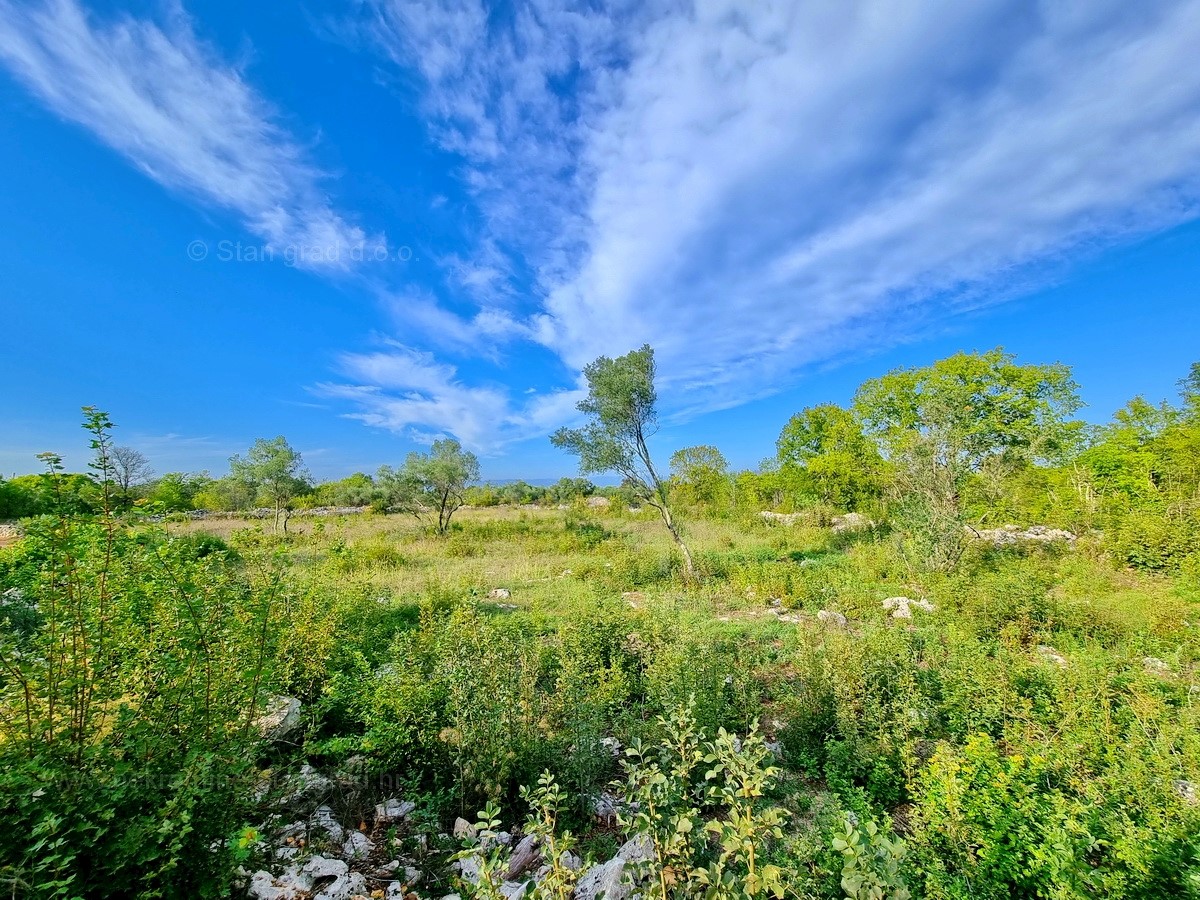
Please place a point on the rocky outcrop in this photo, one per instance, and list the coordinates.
(1010, 535)
(902, 607)
(393, 810)
(320, 878)
(1050, 655)
(850, 522)
(280, 719)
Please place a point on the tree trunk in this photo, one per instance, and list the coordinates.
(689, 567)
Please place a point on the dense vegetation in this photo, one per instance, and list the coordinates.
(1021, 717)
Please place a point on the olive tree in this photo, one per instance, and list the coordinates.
(432, 483)
(621, 404)
(276, 474)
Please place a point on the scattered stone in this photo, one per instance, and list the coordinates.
(524, 857)
(280, 718)
(1186, 791)
(346, 886)
(357, 846)
(1008, 535)
(463, 830)
(569, 860)
(499, 594)
(307, 785)
(1049, 654)
(324, 821)
(1156, 665)
(513, 890)
(605, 881)
(832, 617)
(392, 810)
(288, 886)
(319, 879)
(850, 522)
(612, 745)
(322, 867)
(633, 597)
(637, 849)
(468, 867)
(902, 607)
(598, 502)
(605, 807)
(780, 518)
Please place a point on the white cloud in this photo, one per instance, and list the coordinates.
(167, 102)
(505, 90)
(754, 188)
(408, 391)
(417, 311)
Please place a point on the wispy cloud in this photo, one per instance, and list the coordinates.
(506, 90)
(408, 391)
(165, 100)
(755, 188)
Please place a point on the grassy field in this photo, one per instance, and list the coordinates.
(1030, 728)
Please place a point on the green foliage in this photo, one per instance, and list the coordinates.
(126, 695)
(59, 493)
(484, 851)
(699, 806)
(873, 861)
(548, 803)
(621, 405)
(276, 473)
(825, 456)
(700, 475)
(621, 402)
(1033, 731)
(222, 495)
(358, 489)
(970, 407)
(943, 424)
(178, 491)
(430, 484)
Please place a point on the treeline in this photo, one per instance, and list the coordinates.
(33, 495)
(972, 440)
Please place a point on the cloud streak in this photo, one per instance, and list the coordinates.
(168, 103)
(753, 189)
(401, 389)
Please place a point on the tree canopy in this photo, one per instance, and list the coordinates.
(824, 455)
(430, 484)
(622, 412)
(276, 472)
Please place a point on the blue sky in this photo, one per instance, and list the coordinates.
(366, 224)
